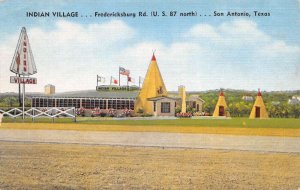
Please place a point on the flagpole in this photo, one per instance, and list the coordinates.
(97, 81)
(139, 81)
(119, 77)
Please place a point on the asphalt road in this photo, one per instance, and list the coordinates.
(156, 139)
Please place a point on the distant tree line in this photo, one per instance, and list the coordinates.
(276, 103)
(13, 101)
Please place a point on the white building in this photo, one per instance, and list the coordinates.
(49, 89)
(295, 100)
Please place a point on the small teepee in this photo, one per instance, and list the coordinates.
(153, 86)
(221, 107)
(259, 108)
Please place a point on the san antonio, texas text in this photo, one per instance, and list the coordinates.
(148, 13)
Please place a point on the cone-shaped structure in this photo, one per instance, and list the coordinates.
(23, 62)
(259, 108)
(221, 107)
(153, 86)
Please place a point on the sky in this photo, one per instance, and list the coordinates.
(201, 52)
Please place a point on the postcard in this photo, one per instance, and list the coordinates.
(149, 94)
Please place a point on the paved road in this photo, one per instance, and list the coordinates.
(156, 139)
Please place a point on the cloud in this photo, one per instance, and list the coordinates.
(70, 55)
(234, 54)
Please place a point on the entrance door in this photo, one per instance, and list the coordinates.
(257, 112)
(197, 107)
(221, 111)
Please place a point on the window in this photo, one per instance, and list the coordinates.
(154, 106)
(165, 107)
(194, 104)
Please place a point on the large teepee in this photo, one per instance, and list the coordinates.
(259, 108)
(221, 107)
(153, 86)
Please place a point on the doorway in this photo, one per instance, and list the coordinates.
(221, 111)
(257, 112)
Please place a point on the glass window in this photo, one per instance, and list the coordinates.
(165, 107)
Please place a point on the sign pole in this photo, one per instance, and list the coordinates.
(23, 101)
(20, 103)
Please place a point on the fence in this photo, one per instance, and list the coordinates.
(40, 112)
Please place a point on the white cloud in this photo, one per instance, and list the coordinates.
(234, 54)
(70, 55)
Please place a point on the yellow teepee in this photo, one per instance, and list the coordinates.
(259, 108)
(153, 86)
(221, 107)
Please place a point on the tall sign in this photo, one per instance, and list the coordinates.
(23, 64)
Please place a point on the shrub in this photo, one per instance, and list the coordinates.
(140, 110)
(184, 115)
(198, 114)
(147, 115)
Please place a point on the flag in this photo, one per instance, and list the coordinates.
(113, 80)
(100, 79)
(123, 71)
(130, 79)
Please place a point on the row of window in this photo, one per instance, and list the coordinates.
(85, 103)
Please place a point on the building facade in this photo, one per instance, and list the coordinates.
(164, 106)
(49, 89)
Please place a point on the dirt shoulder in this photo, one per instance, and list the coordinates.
(56, 166)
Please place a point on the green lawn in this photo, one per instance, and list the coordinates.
(234, 122)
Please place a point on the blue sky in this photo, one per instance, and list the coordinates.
(199, 52)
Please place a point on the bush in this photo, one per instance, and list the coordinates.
(147, 115)
(140, 111)
(184, 115)
(198, 114)
(102, 114)
(177, 109)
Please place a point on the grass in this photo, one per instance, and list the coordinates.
(234, 122)
(235, 126)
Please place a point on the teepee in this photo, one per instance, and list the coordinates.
(259, 108)
(153, 86)
(221, 107)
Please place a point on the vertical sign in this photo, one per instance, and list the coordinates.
(23, 63)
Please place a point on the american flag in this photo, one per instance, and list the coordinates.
(123, 71)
